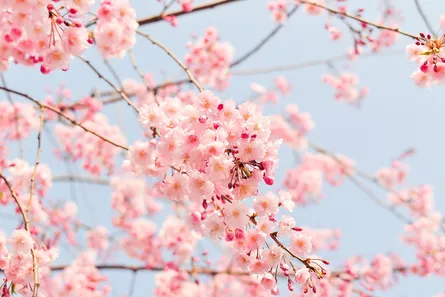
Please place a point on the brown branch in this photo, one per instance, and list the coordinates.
(263, 42)
(166, 50)
(196, 270)
(113, 72)
(39, 150)
(424, 17)
(135, 65)
(59, 112)
(302, 65)
(120, 92)
(26, 222)
(362, 187)
(160, 17)
(363, 21)
(82, 179)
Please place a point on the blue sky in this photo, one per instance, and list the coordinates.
(396, 115)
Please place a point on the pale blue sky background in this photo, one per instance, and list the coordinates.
(395, 116)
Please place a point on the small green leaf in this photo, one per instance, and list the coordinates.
(426, 53)
(12, 288)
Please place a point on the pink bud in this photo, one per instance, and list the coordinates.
(220, 106)
(244, 135)
(230, 236)
(269, 181)
(204, 204)
(50, 6)
(424, 68)
(202, 119)
(73, 10)
(216, 125)
(275, 291)
(44, 69)
(239, 234)
(90, 40)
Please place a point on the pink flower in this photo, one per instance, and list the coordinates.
(235, 215)
(268, 281)
(254, 239)
(98, 238)
(21, 241)
(302, 276)
(266, 204)
(301, 244)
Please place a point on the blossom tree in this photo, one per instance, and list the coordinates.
(191, 184)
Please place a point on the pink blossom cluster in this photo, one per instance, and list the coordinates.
(141, 242)
(209, 59)
(131, 199)
(144, 91)
(324, 239)
(346, 87)
(419, 200)
(97, 238)
(305, 181)
(81, 278)
(392, 176)
(176, 236)
(294, 128)
(18, 120)
(426, 235)
(20, 181)
(95, 153)
(217, 154)
(376, 274)
(16, 261)
(429, 54)
(171, 283)
(264, 95)
(115, 31)
(279, 8)
(63, 218)
(33, 33)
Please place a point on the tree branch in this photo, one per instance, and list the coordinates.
(59, 112)
(160, 17)
(166, 50)
(266, 39)
(120, 92)
(423, 15)
(27, 228)
(345, 14)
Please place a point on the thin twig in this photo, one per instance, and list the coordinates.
(182, 65)
(120, 92)
(132, 283)
(35, 267)
(82, 179)
(263, 42)
(345, 14)
(59, 112)
(39, 150)
(135, 65)
(303, 65)
(424, 17)
(113, 72)
(361, 186)
(181, 12)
